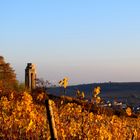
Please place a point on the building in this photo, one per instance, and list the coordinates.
(30, 76)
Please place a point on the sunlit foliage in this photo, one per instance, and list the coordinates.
(95, 97)
(23, 116)
(80, 95)
(96, 91)
(128, 111)
(64, 82)
(7, 76)
(94, 126)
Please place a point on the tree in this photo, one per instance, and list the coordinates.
(7, 75)
(40, 83)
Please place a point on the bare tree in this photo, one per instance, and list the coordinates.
(41, 83)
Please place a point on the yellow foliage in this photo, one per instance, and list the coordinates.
(20, 116)
(80, 94)
(128, 111)
(24, 119)
(27, 98)
(64, 82)
(12, 96)
(96, 91)
(83, 95)
(98, 100)
(29, 126)
(40, 96)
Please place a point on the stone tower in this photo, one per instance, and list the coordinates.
(30, 76)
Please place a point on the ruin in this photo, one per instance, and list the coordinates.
(30, 76)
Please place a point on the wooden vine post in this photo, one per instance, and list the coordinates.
(50, 117)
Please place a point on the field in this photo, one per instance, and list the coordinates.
(24, 116)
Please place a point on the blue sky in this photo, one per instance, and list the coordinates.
(85, 40)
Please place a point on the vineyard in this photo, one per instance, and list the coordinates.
(23, 116)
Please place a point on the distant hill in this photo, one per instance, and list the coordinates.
(126, 92)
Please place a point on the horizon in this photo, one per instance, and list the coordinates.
(86, 41)
(107, 82)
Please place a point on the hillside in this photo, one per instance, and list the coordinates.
(125, 92)
(24, 116)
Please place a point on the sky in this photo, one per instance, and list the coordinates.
(85, 40)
